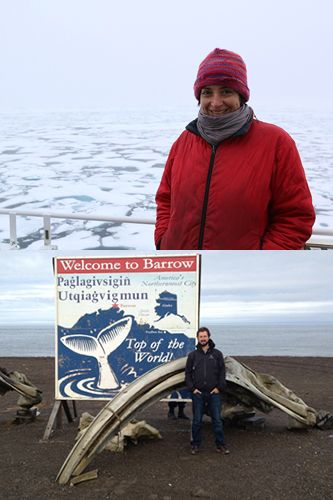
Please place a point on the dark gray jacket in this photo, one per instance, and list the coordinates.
(205, 370)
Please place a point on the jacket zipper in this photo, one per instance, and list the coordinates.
(205, 370)
(205, 202)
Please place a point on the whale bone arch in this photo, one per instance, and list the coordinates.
(153, 385)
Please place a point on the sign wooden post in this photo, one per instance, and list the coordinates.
(55, 420)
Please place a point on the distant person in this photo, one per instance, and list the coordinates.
(232, 181)
(172, 405)
(205, 378)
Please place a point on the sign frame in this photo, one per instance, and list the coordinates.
(174, 298)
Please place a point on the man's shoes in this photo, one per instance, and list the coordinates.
(221, 448)
(194, 450)
(183, 416)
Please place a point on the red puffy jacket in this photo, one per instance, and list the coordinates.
(248, 193)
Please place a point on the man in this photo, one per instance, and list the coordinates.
(205, 378)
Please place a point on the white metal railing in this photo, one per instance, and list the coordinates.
(321, 238)
(47, 216)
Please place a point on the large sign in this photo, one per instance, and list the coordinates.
(118, 317)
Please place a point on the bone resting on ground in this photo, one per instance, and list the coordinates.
(132, 432)
(30, 395)
(245, 388)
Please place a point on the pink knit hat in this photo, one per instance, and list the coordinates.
(222, 67)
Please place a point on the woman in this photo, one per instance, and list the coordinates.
(232, 181)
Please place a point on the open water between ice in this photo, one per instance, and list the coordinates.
(111, 163)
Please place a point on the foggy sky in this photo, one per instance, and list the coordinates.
(60, 54)
(235, 286)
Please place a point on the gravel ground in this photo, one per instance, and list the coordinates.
(265, 463)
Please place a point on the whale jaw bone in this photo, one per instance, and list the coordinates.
(108, 340)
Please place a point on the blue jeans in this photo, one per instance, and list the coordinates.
(213, 402)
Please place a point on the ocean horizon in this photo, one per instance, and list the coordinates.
(242, 339)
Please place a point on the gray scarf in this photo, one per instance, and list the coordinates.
(215, 129)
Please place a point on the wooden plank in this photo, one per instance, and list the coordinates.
(56, 417)
(87, 476)
(50, 423)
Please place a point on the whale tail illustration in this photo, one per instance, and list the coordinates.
(107, 341)
(113, 335)
(82, 344)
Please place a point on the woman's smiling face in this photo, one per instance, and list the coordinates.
(216, 100)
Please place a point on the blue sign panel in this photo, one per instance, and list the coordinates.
(119, 317)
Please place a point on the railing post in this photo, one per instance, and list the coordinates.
(12, 231)
(47, 233)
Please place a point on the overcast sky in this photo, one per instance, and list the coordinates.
(101, 53)
(236, 286)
